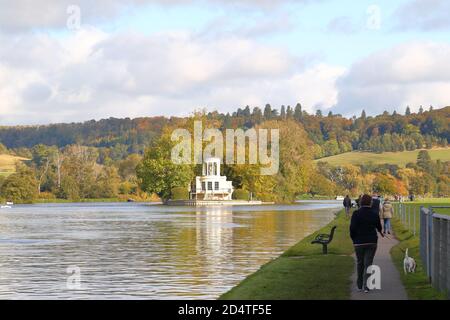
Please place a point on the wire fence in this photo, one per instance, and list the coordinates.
(409, 215)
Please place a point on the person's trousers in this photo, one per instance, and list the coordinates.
(387, 225)
(364, 259)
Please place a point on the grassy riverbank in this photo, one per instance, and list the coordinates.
(80, 201)
(416, 284)
(303, 272)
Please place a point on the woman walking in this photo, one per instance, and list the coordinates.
(388, 212)
(363, 230)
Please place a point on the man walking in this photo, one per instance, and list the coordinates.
(376, 203)
(347, 205)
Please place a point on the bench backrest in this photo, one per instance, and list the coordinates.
(332, 232)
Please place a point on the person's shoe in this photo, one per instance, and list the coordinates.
(360, 290)
(366, 290)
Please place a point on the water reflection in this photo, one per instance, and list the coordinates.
(133, 251)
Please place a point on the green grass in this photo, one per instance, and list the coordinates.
(398, 158)
(416, 284)
(303, 272)
(79, 201)
(310, 197)
(413, 209)
(8, 164)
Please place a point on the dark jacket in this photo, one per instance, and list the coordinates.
(376, 203)
(347, 202)
(364, 225)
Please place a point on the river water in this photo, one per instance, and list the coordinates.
(139, 251)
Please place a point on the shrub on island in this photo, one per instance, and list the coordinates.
(180, 193)
(241, 194)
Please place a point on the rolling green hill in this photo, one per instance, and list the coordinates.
(398, 158)
(8, 163)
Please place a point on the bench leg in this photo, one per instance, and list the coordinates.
(325, 249)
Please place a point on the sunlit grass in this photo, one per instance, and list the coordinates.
(417, 284)
(303, 272)
(398, 158)
(8, 164)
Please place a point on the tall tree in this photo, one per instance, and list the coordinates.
(289, 113)
(408, 111)
(268, 112)
(298, 113)
(424, 161)
(283, 112)
(158, 174)
(363, 115)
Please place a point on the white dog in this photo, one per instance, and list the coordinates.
(409, 264)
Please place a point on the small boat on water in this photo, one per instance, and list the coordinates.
(8, 205)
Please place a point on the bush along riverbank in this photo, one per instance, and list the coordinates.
(417, 284)
(303, 272)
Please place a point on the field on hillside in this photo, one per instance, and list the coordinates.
(8, 163)
(398, 158)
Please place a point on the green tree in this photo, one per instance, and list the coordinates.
(363, 115)
(298, 113)
(424, 161)
(289, 113)
(158, 174)
(78, 173)
(127, 167)
(283, 112)
(408, 111)
(268, 112)
(107, 184)
(20, 186)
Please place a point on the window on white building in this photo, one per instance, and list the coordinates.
(203, 186)
(216, 185)
(210, 186)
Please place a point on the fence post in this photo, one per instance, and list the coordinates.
(415, 221)
(403, 215)
(423, 237)
(409, 218)
(435, 278)
(447, 271)
(443, 256)
(429, 243)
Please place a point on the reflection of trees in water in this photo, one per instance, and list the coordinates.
(214, 243)
(157, 252)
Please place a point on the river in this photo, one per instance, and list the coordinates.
(141, 251)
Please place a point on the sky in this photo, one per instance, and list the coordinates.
(76, 60)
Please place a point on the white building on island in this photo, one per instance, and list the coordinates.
(211, 185)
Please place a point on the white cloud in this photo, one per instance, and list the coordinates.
(92, 74)
(23, 15)
(412, 74)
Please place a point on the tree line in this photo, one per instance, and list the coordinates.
(124, 158)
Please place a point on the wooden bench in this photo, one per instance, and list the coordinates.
(324, 240)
